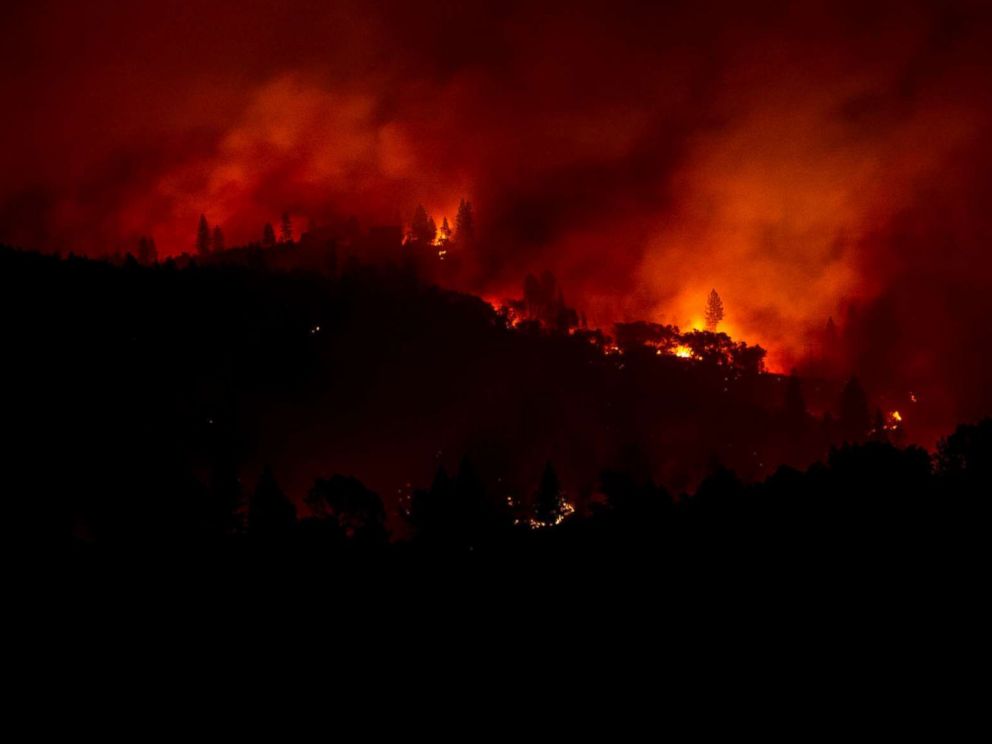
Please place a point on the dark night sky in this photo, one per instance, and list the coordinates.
(806, 159)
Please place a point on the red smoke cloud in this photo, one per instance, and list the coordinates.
(807, 160)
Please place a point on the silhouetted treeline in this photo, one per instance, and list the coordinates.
(360, 410)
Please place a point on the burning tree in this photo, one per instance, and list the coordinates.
(714, 311)
(699, 346)
(444, 233)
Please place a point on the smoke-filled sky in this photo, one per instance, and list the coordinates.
(806, 159)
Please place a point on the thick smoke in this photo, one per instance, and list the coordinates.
(807, 160)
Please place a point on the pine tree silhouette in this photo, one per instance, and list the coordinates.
(286, 228)
(444, 232)
(203, 237)
(714, 311)
(420, 226)
(464, 223)
(268, 236)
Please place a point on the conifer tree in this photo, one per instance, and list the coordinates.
(286, 229)
(444, 232)
(420, 226)
(268, 236)
(203, 237)
(465, 223)
(714, 311)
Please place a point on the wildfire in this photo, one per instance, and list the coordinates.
(443, 236)
(893, 420)
(567, 510)
(515, 314)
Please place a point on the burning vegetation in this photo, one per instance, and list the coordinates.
(702, 346)
(543, 309)
(286, 379)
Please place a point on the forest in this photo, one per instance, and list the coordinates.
(298, 403)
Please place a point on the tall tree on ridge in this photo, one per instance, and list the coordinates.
(217, 241)
(286, 228)
(714, 311)
(444, 232)
(420, 226)
(465, 223)
(268, 236)
(203, 236)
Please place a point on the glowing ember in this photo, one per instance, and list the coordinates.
(893, 421)
(682, 351)
(567, 510)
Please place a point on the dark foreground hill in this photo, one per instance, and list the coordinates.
(167, 410)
